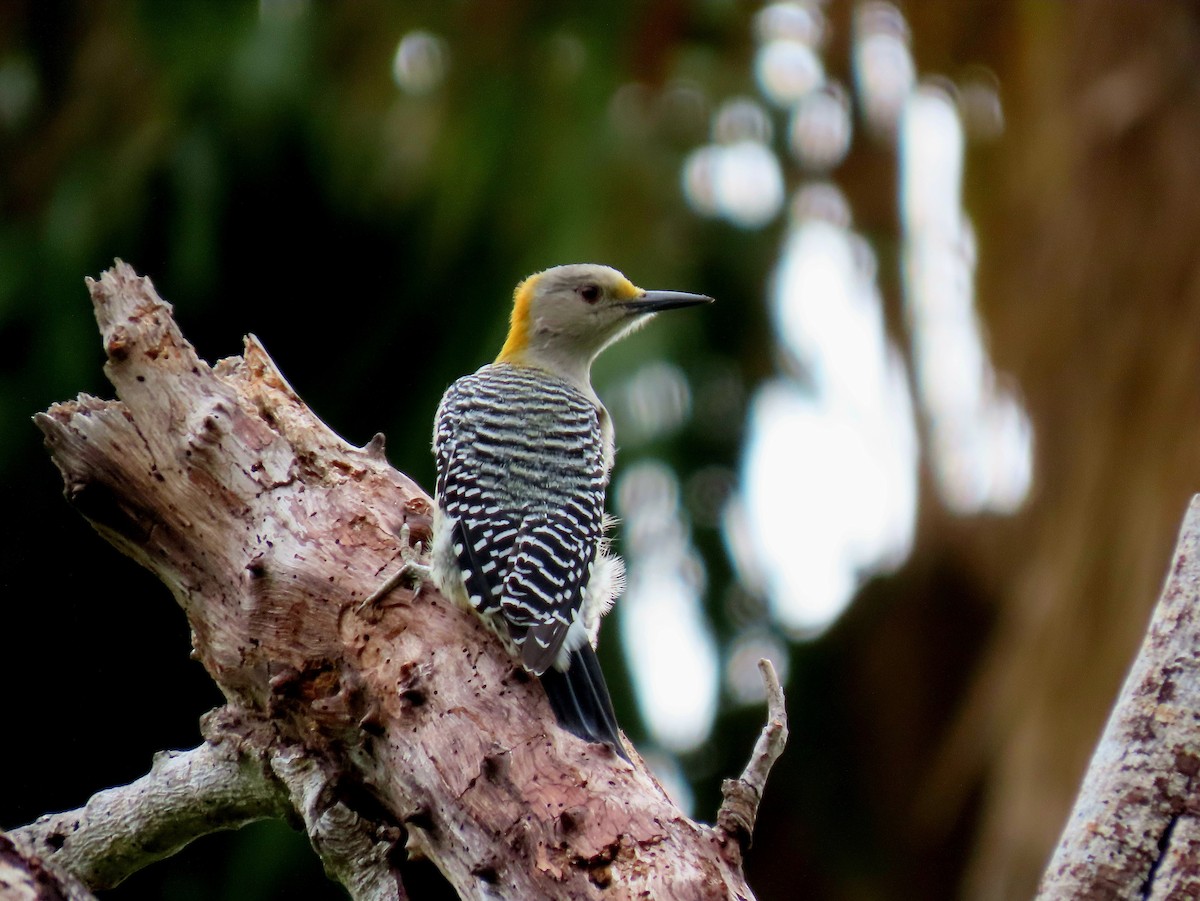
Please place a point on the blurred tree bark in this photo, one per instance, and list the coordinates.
(1089, 217)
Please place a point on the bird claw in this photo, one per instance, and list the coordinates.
(411, 570)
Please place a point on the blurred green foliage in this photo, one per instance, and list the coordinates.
(263, 166)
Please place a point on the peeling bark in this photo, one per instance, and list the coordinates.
(405, 721)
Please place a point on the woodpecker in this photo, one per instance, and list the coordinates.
(524, 449)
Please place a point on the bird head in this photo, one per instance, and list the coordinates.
(563, 317)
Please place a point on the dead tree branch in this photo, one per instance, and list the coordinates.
(185, 795)
(28, 877)
(739, 809)
(401, 723)
(1134, 831)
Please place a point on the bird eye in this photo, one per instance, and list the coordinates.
(590, 293)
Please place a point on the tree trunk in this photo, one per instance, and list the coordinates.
(1134, 832)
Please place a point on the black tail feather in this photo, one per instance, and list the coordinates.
(580, 699)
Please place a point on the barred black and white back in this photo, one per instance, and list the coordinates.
(522, 466)
(524, 450)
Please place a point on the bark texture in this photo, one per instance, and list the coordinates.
(1134, 831)
(1091, 288)
(26, 877)
(1088, 217)
(405, 720)
(184, 795)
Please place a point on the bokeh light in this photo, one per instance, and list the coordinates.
(884, 71)
(829, 477)
(743, 679)
(18, 91)
(421, 62)
(803, 22)
(828, 489)
(668, 641)
(980, 106)
(738, 177)
(787, 70)
(740, 182)
(742, 120)
(980, 439)
(652, 403)
(820, 131)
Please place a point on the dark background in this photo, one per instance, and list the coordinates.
(261, 164)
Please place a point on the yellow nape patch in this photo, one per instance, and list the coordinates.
(519, 322)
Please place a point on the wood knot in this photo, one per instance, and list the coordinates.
(409, 685)
(257, 567)
(414, 697)
(101, 504)
(206, 426)
(117, 347)
(421, 818)
(495, 766)
(376, 448)
(572, 819)
(418, 506)
(601, 875)
(486, 873)
(738, 809)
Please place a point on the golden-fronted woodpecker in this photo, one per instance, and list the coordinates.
(524, 449)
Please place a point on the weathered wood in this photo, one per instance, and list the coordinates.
(270, 530)
(741, 796)
(185, 795)
(25, 876)
(1134, 831)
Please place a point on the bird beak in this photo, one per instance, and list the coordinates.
(655, 301)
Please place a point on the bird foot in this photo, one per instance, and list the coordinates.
(411, 570)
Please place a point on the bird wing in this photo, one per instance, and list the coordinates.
(482, 557)
(482, 534)
(543, 592)
(521, 471)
